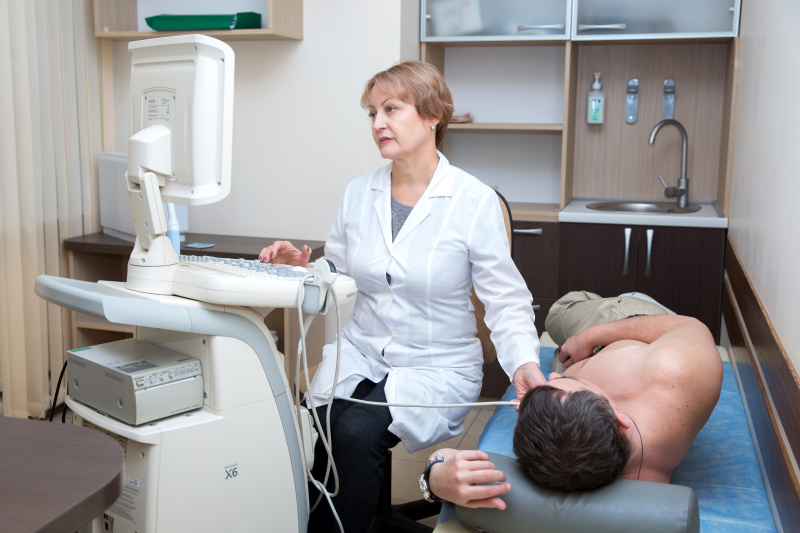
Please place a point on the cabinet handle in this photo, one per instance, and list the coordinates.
(625, 269)
(523, 27)
(648, 272)
(537, 231)
(536, 307)
(622, 27)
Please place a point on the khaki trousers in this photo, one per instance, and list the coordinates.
(579, 310)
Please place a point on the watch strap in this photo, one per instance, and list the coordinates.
(430, 496)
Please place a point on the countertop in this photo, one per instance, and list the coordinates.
(227, 246)
(706, 217)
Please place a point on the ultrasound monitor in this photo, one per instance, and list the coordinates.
(181, 117)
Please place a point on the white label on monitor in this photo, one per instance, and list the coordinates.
(159, 107)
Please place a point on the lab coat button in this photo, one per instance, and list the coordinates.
(388, 332)
(388, 289)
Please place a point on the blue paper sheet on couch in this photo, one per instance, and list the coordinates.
(721, 465)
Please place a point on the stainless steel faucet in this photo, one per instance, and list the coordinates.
(682, 190)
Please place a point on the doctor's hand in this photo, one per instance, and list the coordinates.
(457, 479)
(527, 377)
(283, 253)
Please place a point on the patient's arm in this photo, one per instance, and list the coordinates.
(647, 329)
(457, 479)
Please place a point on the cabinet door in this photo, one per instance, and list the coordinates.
(536, 256)
(541, 306)
(468, 20)
(599, 258)
(685, 271)
(646, 19)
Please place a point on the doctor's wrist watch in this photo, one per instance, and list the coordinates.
(424, 483)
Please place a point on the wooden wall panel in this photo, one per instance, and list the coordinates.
(615, 160)
(770, 385)
(116, 15)
(285, 17)
(729, 126)
(569, 123)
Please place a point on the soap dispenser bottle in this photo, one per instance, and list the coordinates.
(597, 101)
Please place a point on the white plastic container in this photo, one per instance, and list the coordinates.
(597, 101)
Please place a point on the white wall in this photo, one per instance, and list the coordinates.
(765, 196)
(299, 133)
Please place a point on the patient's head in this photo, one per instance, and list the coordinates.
(568, 439)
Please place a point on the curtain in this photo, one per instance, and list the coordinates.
(49, 145)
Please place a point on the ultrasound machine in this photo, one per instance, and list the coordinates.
(198, 399)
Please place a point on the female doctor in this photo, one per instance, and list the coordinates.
(416, 235)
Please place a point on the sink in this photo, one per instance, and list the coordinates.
(643, 207)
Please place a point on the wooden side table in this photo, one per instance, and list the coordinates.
(54, 477)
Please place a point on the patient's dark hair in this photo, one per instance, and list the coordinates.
(569, 441)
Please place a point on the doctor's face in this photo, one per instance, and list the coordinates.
(397, 128)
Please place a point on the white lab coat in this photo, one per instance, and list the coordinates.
(421, 329)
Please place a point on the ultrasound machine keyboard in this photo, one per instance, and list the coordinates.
(244, 268)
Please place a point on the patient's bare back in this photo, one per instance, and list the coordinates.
(669, 386)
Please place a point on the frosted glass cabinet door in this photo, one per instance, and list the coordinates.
(495, 20)
(654, 19)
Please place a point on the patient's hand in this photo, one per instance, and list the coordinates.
(457, 479)
(527, 377)
(577, 348)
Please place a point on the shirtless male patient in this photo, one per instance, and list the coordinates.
(633, 394)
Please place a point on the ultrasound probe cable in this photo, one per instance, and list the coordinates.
(327, 442)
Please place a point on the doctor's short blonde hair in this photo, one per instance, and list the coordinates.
(418, 83)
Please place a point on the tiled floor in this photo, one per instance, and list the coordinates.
(407, 467)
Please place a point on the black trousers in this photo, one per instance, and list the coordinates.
(361, 438)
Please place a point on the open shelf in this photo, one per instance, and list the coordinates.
(524, 211)
(83, 321)
(222, 35)
(507, 128)
(118, 20)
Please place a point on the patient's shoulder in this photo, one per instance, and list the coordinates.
(690, 365)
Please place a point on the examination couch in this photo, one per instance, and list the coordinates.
(717, 488)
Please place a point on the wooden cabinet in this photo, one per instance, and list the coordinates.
(597, 258)
(536, 256)
(511, 20)
(652, 19)
(680, 267)
(686, 269)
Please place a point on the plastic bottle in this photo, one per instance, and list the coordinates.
(597, 101)
(173, 229)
